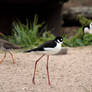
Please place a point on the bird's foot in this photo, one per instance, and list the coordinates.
(49, 83)
(33, 81)
(13, 62)
(0, 62)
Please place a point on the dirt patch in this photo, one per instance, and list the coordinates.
(68, 73)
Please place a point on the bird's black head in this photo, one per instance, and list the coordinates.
(58, 39)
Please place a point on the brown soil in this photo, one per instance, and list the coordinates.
(68, 73)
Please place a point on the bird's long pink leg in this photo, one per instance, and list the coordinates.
(33, 80)
(48, 70)
(12, 57)
(3, 58)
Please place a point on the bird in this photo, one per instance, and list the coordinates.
(50, 47)
(6, 46)
(88, 28)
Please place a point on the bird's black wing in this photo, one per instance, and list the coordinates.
(49, 44)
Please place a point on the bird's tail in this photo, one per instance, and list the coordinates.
(27, 51)
(35, 49)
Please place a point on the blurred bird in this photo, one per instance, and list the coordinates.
(6, 46)
(88, 29)
(50, 47)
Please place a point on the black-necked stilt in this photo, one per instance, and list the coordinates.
(50, 47)
(88, 29)
(6, 46)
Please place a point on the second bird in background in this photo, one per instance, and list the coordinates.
(88, 29)
(6, 46)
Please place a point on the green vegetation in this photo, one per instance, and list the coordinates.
(83, 21)
(80, 39)
(27, 35)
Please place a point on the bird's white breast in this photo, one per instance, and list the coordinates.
(54, 50)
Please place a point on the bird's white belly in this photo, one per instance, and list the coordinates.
(55, 50)
(48, 52)
(52, 49)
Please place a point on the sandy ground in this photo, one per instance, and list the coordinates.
(68, 73)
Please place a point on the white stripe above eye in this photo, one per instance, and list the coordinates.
(58, 41)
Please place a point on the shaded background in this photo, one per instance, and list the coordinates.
(49, 11)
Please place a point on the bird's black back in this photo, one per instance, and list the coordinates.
(49, 44)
